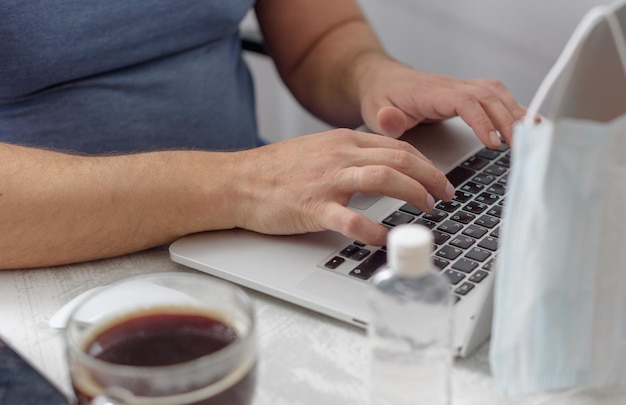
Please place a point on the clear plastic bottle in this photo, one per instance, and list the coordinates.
(410, 330)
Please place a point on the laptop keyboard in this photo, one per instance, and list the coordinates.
(465, 230)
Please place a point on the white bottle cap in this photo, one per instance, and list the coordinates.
(409, 249)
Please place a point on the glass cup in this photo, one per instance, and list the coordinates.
(163, 339)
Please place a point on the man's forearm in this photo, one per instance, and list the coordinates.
(319, 58)
(57, 208)
(329, 85)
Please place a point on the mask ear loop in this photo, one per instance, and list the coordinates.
(581, 32)
(618, 34)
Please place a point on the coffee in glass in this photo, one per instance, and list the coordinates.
(165, 338)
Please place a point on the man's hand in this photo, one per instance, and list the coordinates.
(304, 184)
(395, 98)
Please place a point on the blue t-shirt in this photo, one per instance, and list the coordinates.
(115, 76)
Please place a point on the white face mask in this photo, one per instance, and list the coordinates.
(560, 298)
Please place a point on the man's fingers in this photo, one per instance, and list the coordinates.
(490, 109)
(384, 180)
(371, 141)
(392, 121)
(501, 118)
(421, 191)
(517, 111)
(396, 172)
(353, 225)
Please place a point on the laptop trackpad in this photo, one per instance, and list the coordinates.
(362, 201)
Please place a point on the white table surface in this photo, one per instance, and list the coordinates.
(306, 358)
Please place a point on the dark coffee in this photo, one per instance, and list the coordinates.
(161, 339)
(152, 339)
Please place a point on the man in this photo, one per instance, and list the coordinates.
(129, 124)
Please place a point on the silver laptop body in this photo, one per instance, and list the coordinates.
(292, 267)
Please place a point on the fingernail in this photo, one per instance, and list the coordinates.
(430, 202)
(449, 191)
(495, 139)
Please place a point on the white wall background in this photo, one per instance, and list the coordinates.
(514, 41)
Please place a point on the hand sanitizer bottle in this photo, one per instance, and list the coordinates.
(410, 329)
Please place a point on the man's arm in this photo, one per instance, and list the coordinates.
(332, 61)
(315, 46)
(57, 208)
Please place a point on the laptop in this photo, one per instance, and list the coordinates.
(331, 274)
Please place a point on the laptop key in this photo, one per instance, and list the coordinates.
(368, 267)
(496, 170)
(475, 231)
(495, 211)
(411, 209)
(462, 196)
(349, 251)
(487, 198)
(488, 153)
(440, 263)
(475, 207)
(489, 243)
(398, 218)
(504, 161)
(449, 252)
(496, 189)
(465, 265)
(440, 237)
(478, 254)
(472, 187)
(462, 242)
(448, 206)
(454, 276)
(425, 222)
(489, 265)
(458, 175)
(435, 215)
(475, 163)
(360, 254)
(464, 288)
(478, 276)
(463, 217)
(334, 262)
(450, 227)
(484, 178)
(487, 221)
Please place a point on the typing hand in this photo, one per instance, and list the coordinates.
(395, 98)
(304, 184)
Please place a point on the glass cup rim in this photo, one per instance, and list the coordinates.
(154, 371)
